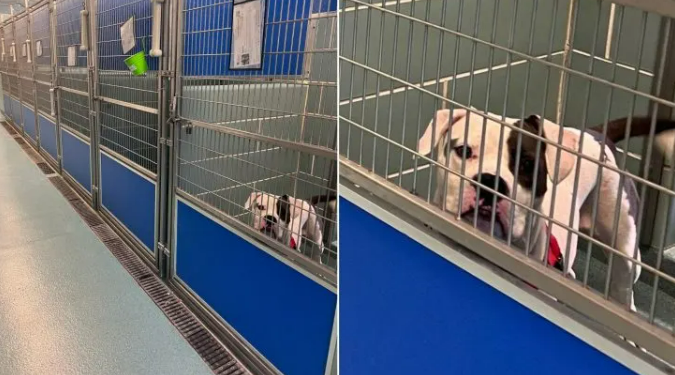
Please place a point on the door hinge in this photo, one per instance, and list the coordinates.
(163, 249)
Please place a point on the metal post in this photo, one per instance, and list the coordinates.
(165, 142)
(29, 52)
(55, 82)
(94, 110)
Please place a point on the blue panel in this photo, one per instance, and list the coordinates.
(323, 6)
(130, 197)
(76, 159)
(416, 313)
(48, 136)
(282, 313)
(29, 123)
(16, 112)
(111, 15)
(207, 42)
(8, 106)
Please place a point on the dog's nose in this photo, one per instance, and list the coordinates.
(490, 180)
(270, 220)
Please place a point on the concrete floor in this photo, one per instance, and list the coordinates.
(66, 305)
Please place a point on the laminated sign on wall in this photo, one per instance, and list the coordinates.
(248, 21)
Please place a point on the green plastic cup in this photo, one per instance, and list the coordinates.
(137, 63)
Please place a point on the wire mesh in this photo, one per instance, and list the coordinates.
(42, 56)
(71, 64)
(71, 74)
(129, 132)
(402, 61)
(24, 61)
(224, 170)
(244, 119)
(74, 112)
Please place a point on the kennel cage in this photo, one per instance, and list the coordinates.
(579, 63)
(267, 129)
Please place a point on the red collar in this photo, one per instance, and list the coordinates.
(555, 258)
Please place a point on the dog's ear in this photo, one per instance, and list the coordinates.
(566, 162)
(284, 209)
(250, 200)
(443, 123)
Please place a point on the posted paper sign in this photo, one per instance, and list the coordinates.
(127, 35)
(72, 56)
(247, 34)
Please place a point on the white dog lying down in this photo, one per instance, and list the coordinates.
(286, 219)
(531, 184)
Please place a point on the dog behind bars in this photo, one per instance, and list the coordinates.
(530, 183)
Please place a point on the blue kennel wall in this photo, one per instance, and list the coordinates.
(130, 198)
(76, 158)
(16, 112)
(207, 53)
(406, 310)
(48, 136)
(284, 314)
(112, 14)
(29, 122)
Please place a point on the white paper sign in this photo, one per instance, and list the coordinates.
(247, 35)
(127, 35)
(38, 48)
(72, 56)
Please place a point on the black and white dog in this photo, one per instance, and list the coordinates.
(531, 183)
(288, 219)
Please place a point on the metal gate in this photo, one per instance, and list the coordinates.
(578, 63)
(248, 131)
(128, 117)
(43, 62)
(12, 87)
(25, 76)
(73, 96)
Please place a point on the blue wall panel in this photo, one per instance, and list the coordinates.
(413, 312)
(29, 123)
(207, 42)
(16, 112)
(282, 313)
(76, 159)
(111, 15)
(48, 136)
(8, 105)
(130, 197)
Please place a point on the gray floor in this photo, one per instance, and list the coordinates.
(66, 305)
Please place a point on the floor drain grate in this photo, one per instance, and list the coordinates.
(104, 233)
(9, 128)
(45, 168)
(63, 187)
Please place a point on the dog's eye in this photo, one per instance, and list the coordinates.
(464, 151)
(261, 207)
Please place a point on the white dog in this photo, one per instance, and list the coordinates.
(458, 139)
(287, 219)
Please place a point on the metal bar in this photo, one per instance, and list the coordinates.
(122, 103)
(303, 147)
(516, 53)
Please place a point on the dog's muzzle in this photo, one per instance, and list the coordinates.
(482, 211)
(269, 222)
